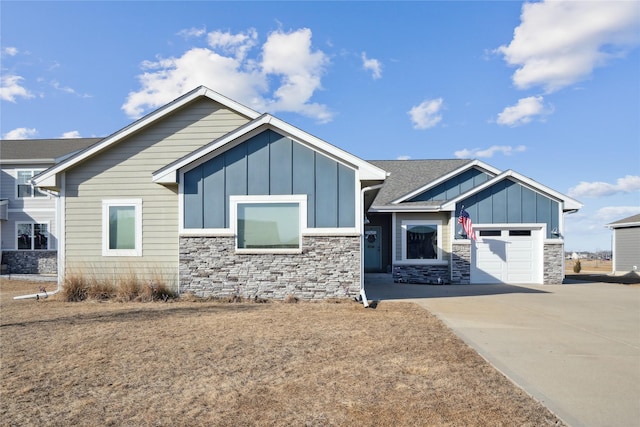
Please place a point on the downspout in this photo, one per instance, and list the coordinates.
(363, 295)
(45, 294)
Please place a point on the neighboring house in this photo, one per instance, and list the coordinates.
(518, 224)
(28, 216)
(214, 198)
(626, 244)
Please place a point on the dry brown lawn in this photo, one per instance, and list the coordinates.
(192, 363)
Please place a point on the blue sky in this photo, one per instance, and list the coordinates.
(548, 89)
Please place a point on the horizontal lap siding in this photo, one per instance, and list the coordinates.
(627, 250)
(33, 209)
(124, 172)
(445, 239)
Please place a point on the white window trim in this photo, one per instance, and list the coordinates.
(33, 172)
(301, 199)
(137, 204)
(438, 224)
(33, 223)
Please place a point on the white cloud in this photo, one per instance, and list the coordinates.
(56, 85)
(192, 32)
(559, 43)
(11, 88)
(477, 153)
(71, 134)
(523, 112)
(20, 133)
(426, 115)
(372, 65)
(225, 66)
(403, 157)
(610, 214)
(10, 51)
(627, 184)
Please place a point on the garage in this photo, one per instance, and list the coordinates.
(507, 256)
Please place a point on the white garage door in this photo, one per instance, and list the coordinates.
(507, 256)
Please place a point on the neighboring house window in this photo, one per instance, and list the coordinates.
(23, 188)
(122, 227)
(32, 236)
(421, 240)
(271, 224)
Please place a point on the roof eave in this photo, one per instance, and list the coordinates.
(142, 123)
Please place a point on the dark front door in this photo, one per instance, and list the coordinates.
(372, 248)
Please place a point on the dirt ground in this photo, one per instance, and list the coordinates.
(599, 271)
(206, 363)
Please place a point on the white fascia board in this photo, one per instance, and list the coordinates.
(367, 171)
(623, 225)
(381, 209)
(169, 173)
(569, 203)
(446, 177)
(140, 124)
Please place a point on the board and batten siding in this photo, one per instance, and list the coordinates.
(509, 202)
(124, 171)
(445, 239)
(453, 187)
(626, 252)
(270, 164)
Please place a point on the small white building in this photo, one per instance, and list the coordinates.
(626, 244)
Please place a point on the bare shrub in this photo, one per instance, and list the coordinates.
(100, 290)
(291, 299)
(74, 288)
(577, 267)
(155, 291)
(128, 288)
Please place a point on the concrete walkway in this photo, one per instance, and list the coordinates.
(574, 347)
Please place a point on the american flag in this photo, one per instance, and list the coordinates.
(465, 220)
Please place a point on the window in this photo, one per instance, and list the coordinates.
(490, 233)
(122, 227)
(32, 236)
(421, 241)
(519, 232)
(268, 223)
(23, 188)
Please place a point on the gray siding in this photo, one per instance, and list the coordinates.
(453, 187)
(28, 209)
(124, 172)
(626, 252)
(512, 203)
(270, 164)
(445, 239)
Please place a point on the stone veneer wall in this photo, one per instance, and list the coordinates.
(329, 266)
(553, 264)
(461, 263)
(422, 274)
(30, 262)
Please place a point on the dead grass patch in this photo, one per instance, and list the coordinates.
(187, 363)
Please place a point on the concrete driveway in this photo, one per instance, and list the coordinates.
(574, 347)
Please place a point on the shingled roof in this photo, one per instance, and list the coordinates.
(625, 222)
(406, 176)
(41, 150)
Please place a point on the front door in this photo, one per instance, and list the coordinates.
(372, 252)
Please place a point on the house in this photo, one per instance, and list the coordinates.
(28, 226)
(626, 244)
(214, 198)
(518, 224)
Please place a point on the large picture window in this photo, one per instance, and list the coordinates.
(421, 241)
(122, 227)
(23, 188)
(268, 223)
(32, 236)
